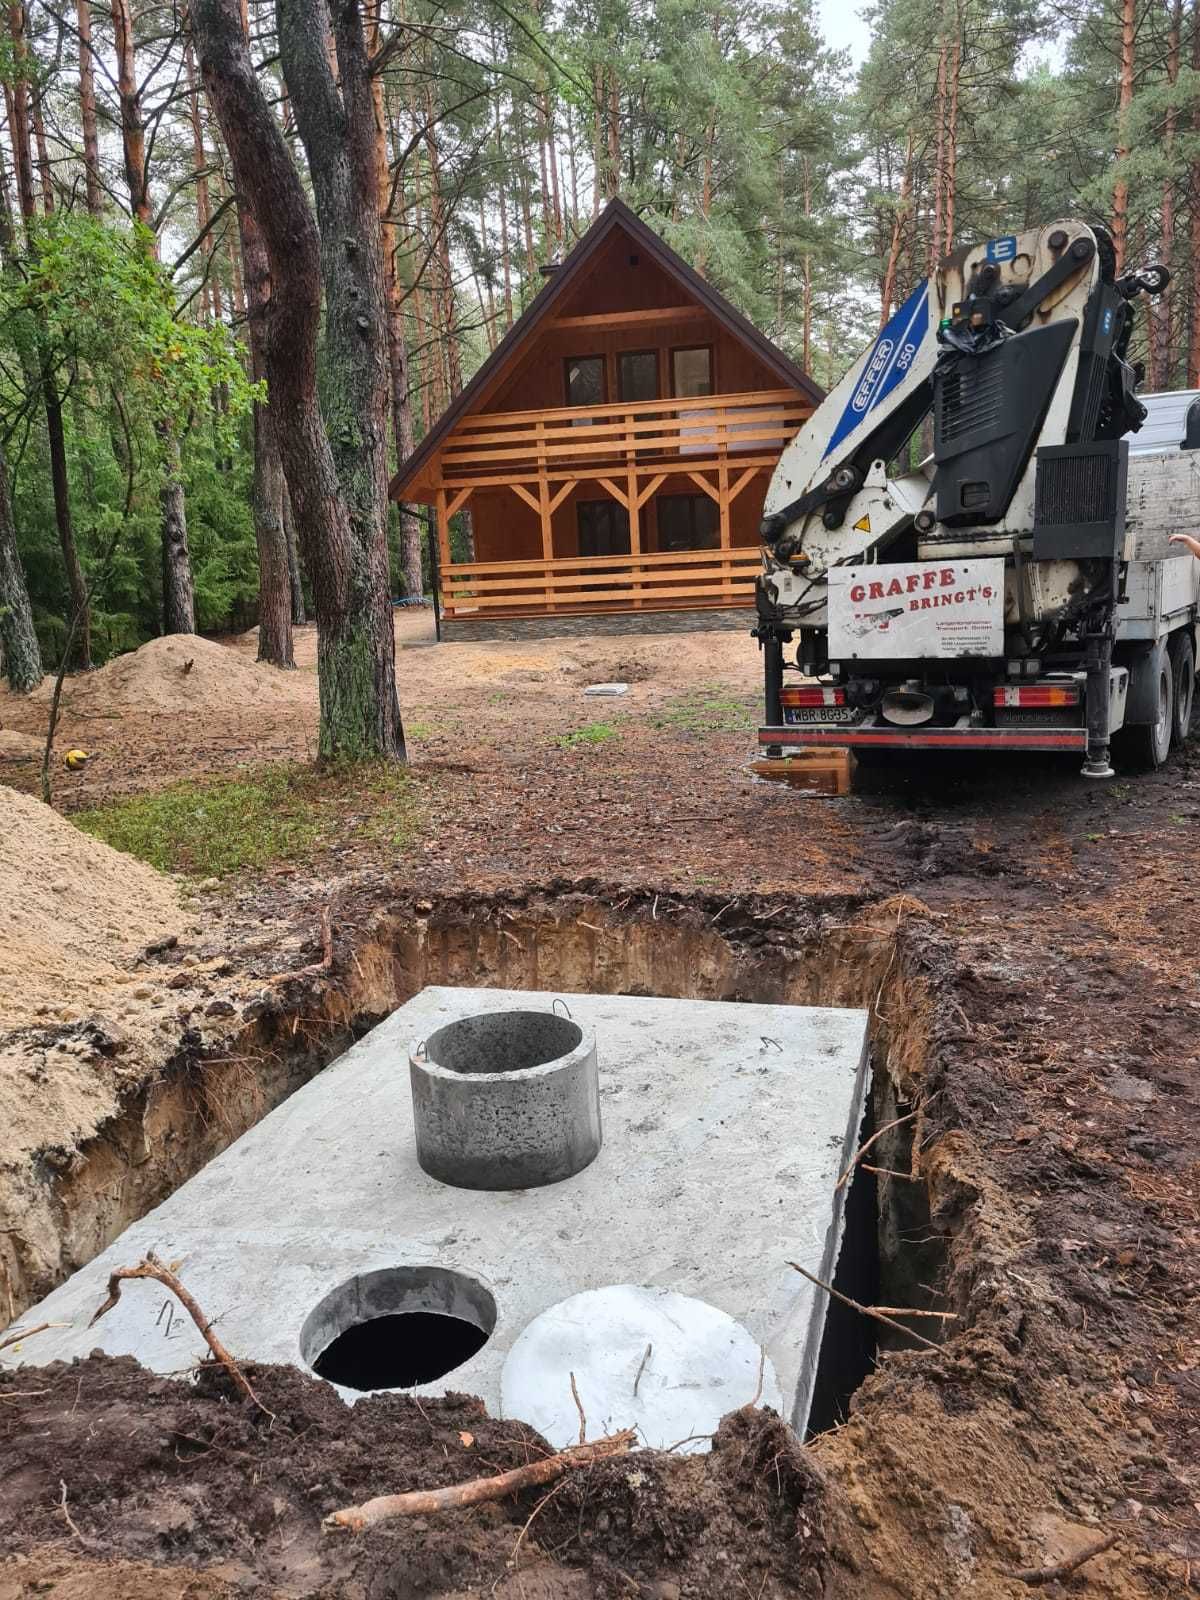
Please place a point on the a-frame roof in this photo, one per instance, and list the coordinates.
(615, 216)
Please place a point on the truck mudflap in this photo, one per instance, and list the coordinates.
(963, 736)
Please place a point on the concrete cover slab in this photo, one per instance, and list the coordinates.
(725, 1128)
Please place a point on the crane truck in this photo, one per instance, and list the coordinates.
(1016, 589)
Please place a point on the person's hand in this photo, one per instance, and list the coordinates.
(1186, 538)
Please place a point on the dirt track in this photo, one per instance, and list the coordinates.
(1029, 943)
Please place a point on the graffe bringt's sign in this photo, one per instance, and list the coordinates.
(906, 612)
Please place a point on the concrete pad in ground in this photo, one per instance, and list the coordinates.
(725, 1128)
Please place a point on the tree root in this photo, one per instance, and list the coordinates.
(152, 1267)
(429, 1502)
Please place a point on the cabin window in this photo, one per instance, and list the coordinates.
(585, 380)
(687, 522)
(637, 375)
(691, 371)
(603, 528)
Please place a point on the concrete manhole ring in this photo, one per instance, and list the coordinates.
(506, 1100)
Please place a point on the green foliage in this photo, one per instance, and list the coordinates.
(259, 818)
(89, 305)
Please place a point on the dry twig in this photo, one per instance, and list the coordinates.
(152, 1267)
(28, 1333)
(579, 1408)
(429, 1502)
(1035, 1577)
(867, 1311)
(640, 1370)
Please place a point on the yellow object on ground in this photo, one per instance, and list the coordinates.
(74, 760)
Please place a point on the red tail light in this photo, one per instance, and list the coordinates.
(1037, 694)
(815, 696)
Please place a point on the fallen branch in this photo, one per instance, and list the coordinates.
(152, 1267)
(867, 1143)
(429, 1502)
(867, 1311)
(1035, 1577)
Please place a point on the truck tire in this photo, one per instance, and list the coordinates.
(1183, 662)
(1147, 742)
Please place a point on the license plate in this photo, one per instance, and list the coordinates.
(821, 714)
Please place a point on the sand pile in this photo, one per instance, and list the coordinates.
(16, 746)
(182, 673)
(76, 914)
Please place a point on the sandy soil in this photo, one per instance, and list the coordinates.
(1050, 926)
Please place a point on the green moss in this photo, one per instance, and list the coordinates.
(593, 733)
(261, 817)
(708, 710)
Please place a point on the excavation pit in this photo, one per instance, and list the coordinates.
(727, 1126)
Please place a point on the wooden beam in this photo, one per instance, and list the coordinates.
(631, 319)
(557, 499)
(522, 493)
(655, 483)
(740, 484)
(617, 494)
(458, 500)
(703, 483)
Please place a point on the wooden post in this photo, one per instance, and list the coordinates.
(635, 520)
(443, 536)
(544, 510)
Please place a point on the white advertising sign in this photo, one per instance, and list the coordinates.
(905, 612)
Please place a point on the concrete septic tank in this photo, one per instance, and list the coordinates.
(656, 1273)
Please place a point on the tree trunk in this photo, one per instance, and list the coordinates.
(1161, 315)
(939, 160)
(335, 464)
(299, 616)
(275, 596)
(951, 178)
(179, 597)
(87, 108)
(505, 256)
(19, 128)
(888, 292)
(401, 407)
(133, 132)
(1193, 360)
(22, 659)
(1120, 216)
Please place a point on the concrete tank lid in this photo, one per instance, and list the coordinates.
(645, 1358)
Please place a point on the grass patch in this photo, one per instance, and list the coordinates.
(593, 733)
(708, 710)
(260, 817)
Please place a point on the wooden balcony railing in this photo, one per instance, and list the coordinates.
(572, 443)
(659, 581)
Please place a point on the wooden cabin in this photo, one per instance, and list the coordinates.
(614, 449)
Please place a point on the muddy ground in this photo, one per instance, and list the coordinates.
(1027, 946)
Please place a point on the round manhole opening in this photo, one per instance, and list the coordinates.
(397, 1327)
(503, 1041)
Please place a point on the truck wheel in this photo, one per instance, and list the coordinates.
(1152, 692)
(1183, 661)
